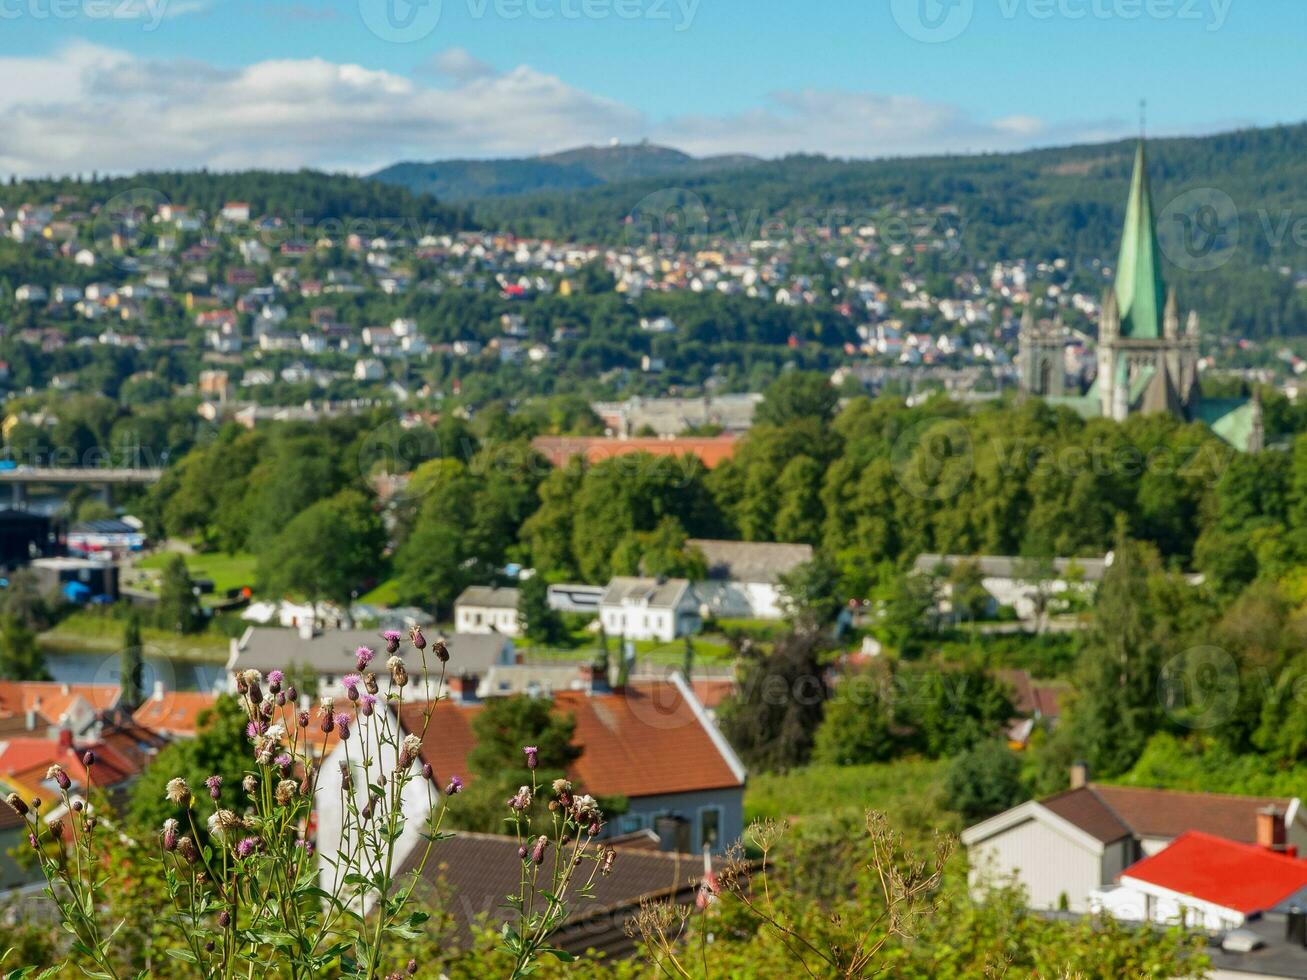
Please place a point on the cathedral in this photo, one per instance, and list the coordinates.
(1147, 360)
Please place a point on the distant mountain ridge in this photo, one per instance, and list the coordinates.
(569, 170)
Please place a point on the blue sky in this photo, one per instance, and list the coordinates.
(117, 85)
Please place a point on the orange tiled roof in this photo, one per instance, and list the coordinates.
(644, 741)
(174, 712)
(52, 699)
(712, 450)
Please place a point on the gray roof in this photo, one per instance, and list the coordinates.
(488, 597)
(751, 561)
(332, 652)
(651, 592)
(993, 566)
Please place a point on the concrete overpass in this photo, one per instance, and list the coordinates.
(20, 478)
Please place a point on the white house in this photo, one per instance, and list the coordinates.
(1207, 882)
(744, 576)
(1065, 849)
(487, 609)
(1019, 583)
(650, 609)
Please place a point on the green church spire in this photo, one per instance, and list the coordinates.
(1140, 291)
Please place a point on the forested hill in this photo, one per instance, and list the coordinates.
(304, 195)
(1064, 201)
(1055, 203)
(584, 167)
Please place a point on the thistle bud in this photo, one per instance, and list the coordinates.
(17, 803)
(170, 834)
(441, 651)
(538, 852)
(370, 683)
(57, 773)
(187, 849)
(419, 641)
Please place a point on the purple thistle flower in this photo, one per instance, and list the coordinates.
(532, 756)
(247, 846)
(369, 702)
(252, 730)
(31, 839)
(363, 656)
(282, 762)
(170, 835)
(419, 641)
(275, 677)
(342, 722)
(455, 786)
(215, 786)
(350, 682)
(392, 638)
(538, 852)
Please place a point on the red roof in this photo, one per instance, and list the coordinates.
(559, 449)
(1242, 877)
(174, 712)
(644, 741)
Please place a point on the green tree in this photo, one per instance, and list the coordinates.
(856, 727)
(20, 654)
(984, 780)
(773, 719)
(131, 665)
(178, 608)
(797, 395)
(810, 593)
(220, 748)
(502, 729)
(538, 622)
(328, 551)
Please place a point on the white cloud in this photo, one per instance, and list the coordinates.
(85, 107)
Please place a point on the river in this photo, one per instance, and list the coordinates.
(102, 668)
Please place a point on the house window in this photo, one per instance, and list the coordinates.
(629, 823)
(710, 827)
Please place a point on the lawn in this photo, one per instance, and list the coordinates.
(90, 630)
(385, 594)
(912, 785)
(225, 571)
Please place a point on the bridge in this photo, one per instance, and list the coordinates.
(20, 478)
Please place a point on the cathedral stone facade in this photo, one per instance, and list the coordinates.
(1147, 362)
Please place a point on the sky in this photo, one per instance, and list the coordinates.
(115, 86)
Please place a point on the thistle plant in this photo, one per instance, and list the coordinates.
(560, 860)
(243, 892)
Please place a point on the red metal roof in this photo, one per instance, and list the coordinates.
(1243, 877)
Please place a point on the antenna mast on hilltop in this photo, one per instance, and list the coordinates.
(1143, 118)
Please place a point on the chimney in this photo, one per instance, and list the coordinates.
(306, 629)
(463, 688)
(1079, 775)
(1270, 828)
(158, 690)
(65, 739)
(594, 681)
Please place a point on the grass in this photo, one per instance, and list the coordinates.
(226, 571)
(385, 594)
(88, 630)
(823, 790)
